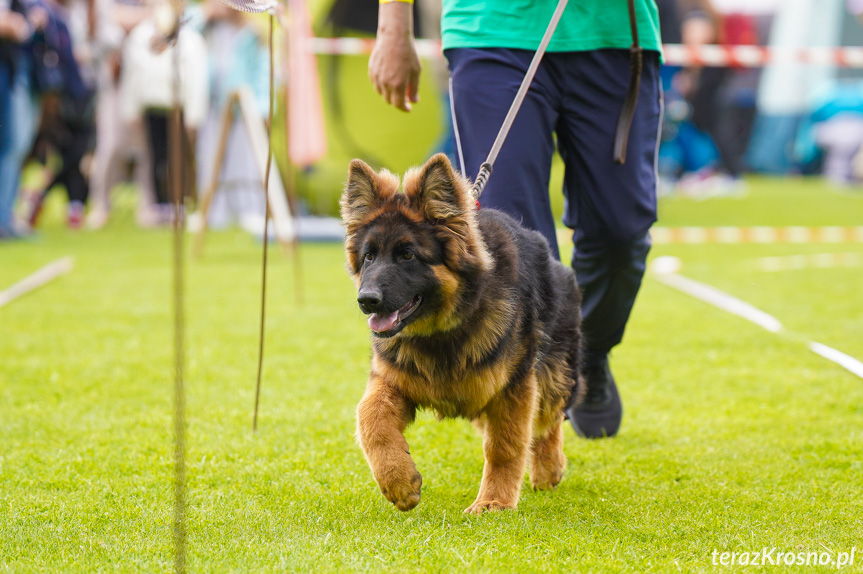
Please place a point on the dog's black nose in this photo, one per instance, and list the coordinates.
(369, 299)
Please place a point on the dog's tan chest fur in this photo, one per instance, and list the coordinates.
(462, 392)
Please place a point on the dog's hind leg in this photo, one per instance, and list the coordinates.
(547, 461)
(506, 442)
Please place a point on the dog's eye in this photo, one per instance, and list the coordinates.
(368, 257)
(407, 256)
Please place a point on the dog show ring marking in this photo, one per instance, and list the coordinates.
(812, 261)
(665, 270)
(740, 235)
(763, 235)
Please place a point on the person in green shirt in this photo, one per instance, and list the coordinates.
(573, 107)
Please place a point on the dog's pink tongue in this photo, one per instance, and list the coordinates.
(380, 323)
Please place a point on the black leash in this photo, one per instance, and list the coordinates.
(627, 113)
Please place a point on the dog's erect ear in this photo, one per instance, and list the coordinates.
(444, 199)
(440, 191)
(360, 194)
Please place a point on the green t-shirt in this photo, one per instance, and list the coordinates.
(585, 24)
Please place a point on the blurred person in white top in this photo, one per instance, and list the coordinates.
(117, 142)
(148, 91)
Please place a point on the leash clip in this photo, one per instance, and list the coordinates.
(481, 179)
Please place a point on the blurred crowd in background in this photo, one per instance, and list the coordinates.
(86, 89)
(785, 118)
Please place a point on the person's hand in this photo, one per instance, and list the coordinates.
(13, 26)
(394, 67)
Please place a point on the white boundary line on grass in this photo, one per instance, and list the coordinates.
(665, 271)
(721, 300)
(838, 357)
(35, 280)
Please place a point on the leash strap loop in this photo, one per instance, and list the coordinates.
(627, 113)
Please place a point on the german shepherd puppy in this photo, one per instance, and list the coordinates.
(470, 317)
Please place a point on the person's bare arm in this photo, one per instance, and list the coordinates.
(394, 67)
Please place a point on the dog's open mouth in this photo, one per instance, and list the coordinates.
(390, 324)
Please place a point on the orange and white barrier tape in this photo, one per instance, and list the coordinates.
(675, 54)
(760, 56)
(810, 261)
(732, 235)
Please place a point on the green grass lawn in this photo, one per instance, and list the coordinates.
(734, 439)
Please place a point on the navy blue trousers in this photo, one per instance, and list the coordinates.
(573, 105)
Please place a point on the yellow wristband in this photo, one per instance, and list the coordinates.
(391, 1)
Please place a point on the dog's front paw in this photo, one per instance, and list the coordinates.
(481, 506)
(403, 490)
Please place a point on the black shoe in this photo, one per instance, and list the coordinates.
(598, 414)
